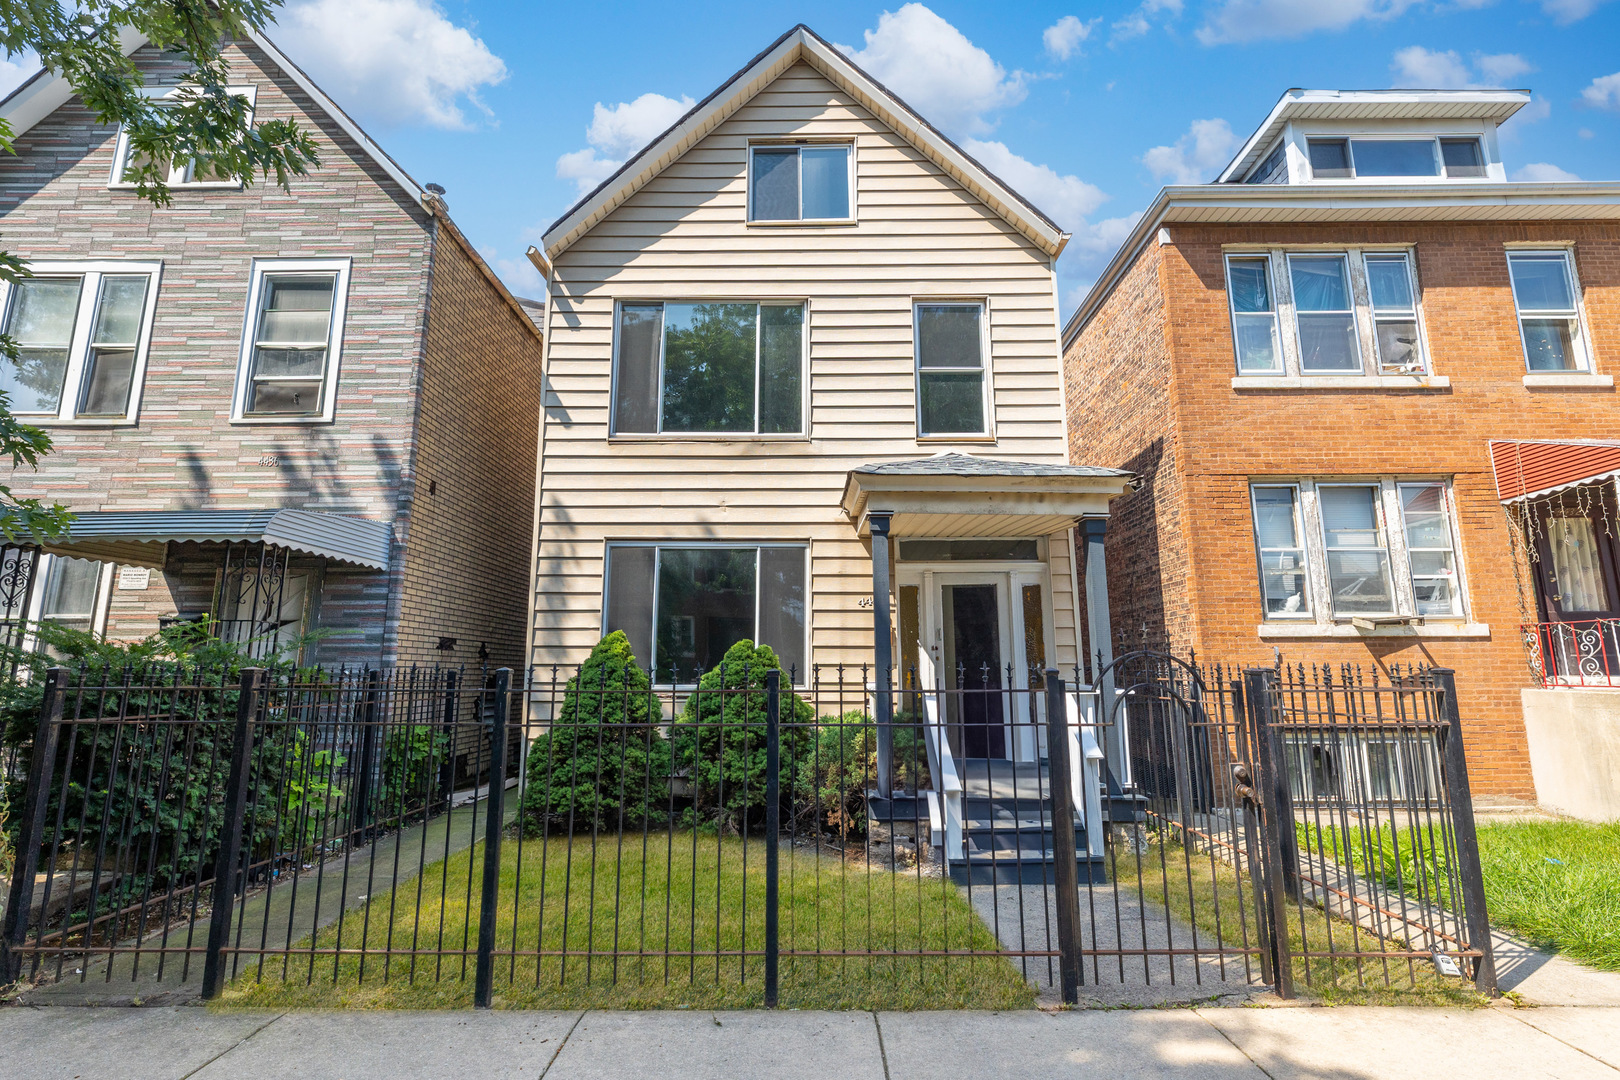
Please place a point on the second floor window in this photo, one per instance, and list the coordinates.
(799, 183)
(1549, 317)
(951, 384)
(709, 368)
(81, 332)
(294, 329)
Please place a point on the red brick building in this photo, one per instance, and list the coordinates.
(312, 409)
(1308, 363)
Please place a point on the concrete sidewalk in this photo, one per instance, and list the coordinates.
(58, 1043)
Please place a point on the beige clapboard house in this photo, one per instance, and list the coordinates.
(799, 319)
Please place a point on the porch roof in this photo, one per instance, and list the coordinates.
(141, 537)
(1533, 467)
(954, 494)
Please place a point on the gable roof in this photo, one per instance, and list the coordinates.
(803, 44)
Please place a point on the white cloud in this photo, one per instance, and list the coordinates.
(519, 274)
(1415, 66)
(14, 69)
(395, 61)
(1565, 12)
(1540, 172)
(1065, 199)
(616, 133)
(1138, 23)
(1604, 93)
(1195, 156)
(1064, 37)
(1538, 109)
(1253, 20)
(937, 70)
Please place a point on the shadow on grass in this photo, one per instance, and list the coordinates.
(664, 921)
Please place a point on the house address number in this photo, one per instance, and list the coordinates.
(865, 601)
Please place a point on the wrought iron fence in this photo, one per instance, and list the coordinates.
(1581, 652)
(1170, 830)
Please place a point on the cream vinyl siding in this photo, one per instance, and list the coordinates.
(685, 236)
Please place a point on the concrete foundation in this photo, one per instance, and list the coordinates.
(1574, 738)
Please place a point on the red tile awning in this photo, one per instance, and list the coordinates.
(1537, 467)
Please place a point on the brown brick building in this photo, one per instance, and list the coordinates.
(301, 410)
(1309, 361)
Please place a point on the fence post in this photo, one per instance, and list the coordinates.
(447, 767)
(1461, 800)
(32, 825)
(1243, 779)
(360, 821)
(773, 826)
(494, 821)
(230, 837)
(1276, 818)
(1065, 860)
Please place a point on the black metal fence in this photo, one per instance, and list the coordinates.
(1173, 829)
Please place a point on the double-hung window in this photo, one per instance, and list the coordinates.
(1545, 295)
(294, 331)
(1340, 550)
(953, 388)
(1324, 314)
(82, 332)
(1321, 314)
(709, 368)
(683, 604)
(800, 183)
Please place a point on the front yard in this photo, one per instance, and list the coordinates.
(1557, 885)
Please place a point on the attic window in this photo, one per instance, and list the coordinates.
(799, 183)
(1368, 158)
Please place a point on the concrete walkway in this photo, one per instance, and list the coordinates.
(180, 1043)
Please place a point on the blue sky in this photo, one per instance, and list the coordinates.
(515, 108)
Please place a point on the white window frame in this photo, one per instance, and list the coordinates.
(73, 382)
(1366, 319)
(1350, 138)
(1581, 343)
(43, 566)
(728, 545)
(1375, 316)
(1354, 311)
(803, 434)
(797, 144)
(1264, 258)
(1450, 512)
(1391, 523)
(179, 174)
(988, 434)
(265, 268)
(1381, 513)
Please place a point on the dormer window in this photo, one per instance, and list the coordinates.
(1380, 158)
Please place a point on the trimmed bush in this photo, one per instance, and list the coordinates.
(833, 777)
(719, 739)
(603, 763)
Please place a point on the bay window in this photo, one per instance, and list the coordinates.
(683, 604)
(82, 332)
(709, 368)
(952, 389)
(1339, 550)
(1545, 296)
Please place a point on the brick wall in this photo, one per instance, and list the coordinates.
(470, 521)
(1224, 437)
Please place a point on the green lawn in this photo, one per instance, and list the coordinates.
(825, 905)
(1557, 885)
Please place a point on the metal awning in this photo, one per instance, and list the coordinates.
(142, 537)
(964, 495)
(1528, 469)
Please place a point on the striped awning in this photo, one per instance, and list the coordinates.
(142, 537)
(1527, 469)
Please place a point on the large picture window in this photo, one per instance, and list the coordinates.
(294, 335)
(1367, 549)
(710, 368)
(82, 331)
(1549, 319)
(683, 605)
(951, 369)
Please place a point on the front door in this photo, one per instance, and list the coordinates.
(1579, 586)
(974, 618)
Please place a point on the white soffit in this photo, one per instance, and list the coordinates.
(1493, 106)
(802, 43)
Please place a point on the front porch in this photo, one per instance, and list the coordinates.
(977, 604)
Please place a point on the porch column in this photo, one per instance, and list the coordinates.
(1099, 628)
(881, 651)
